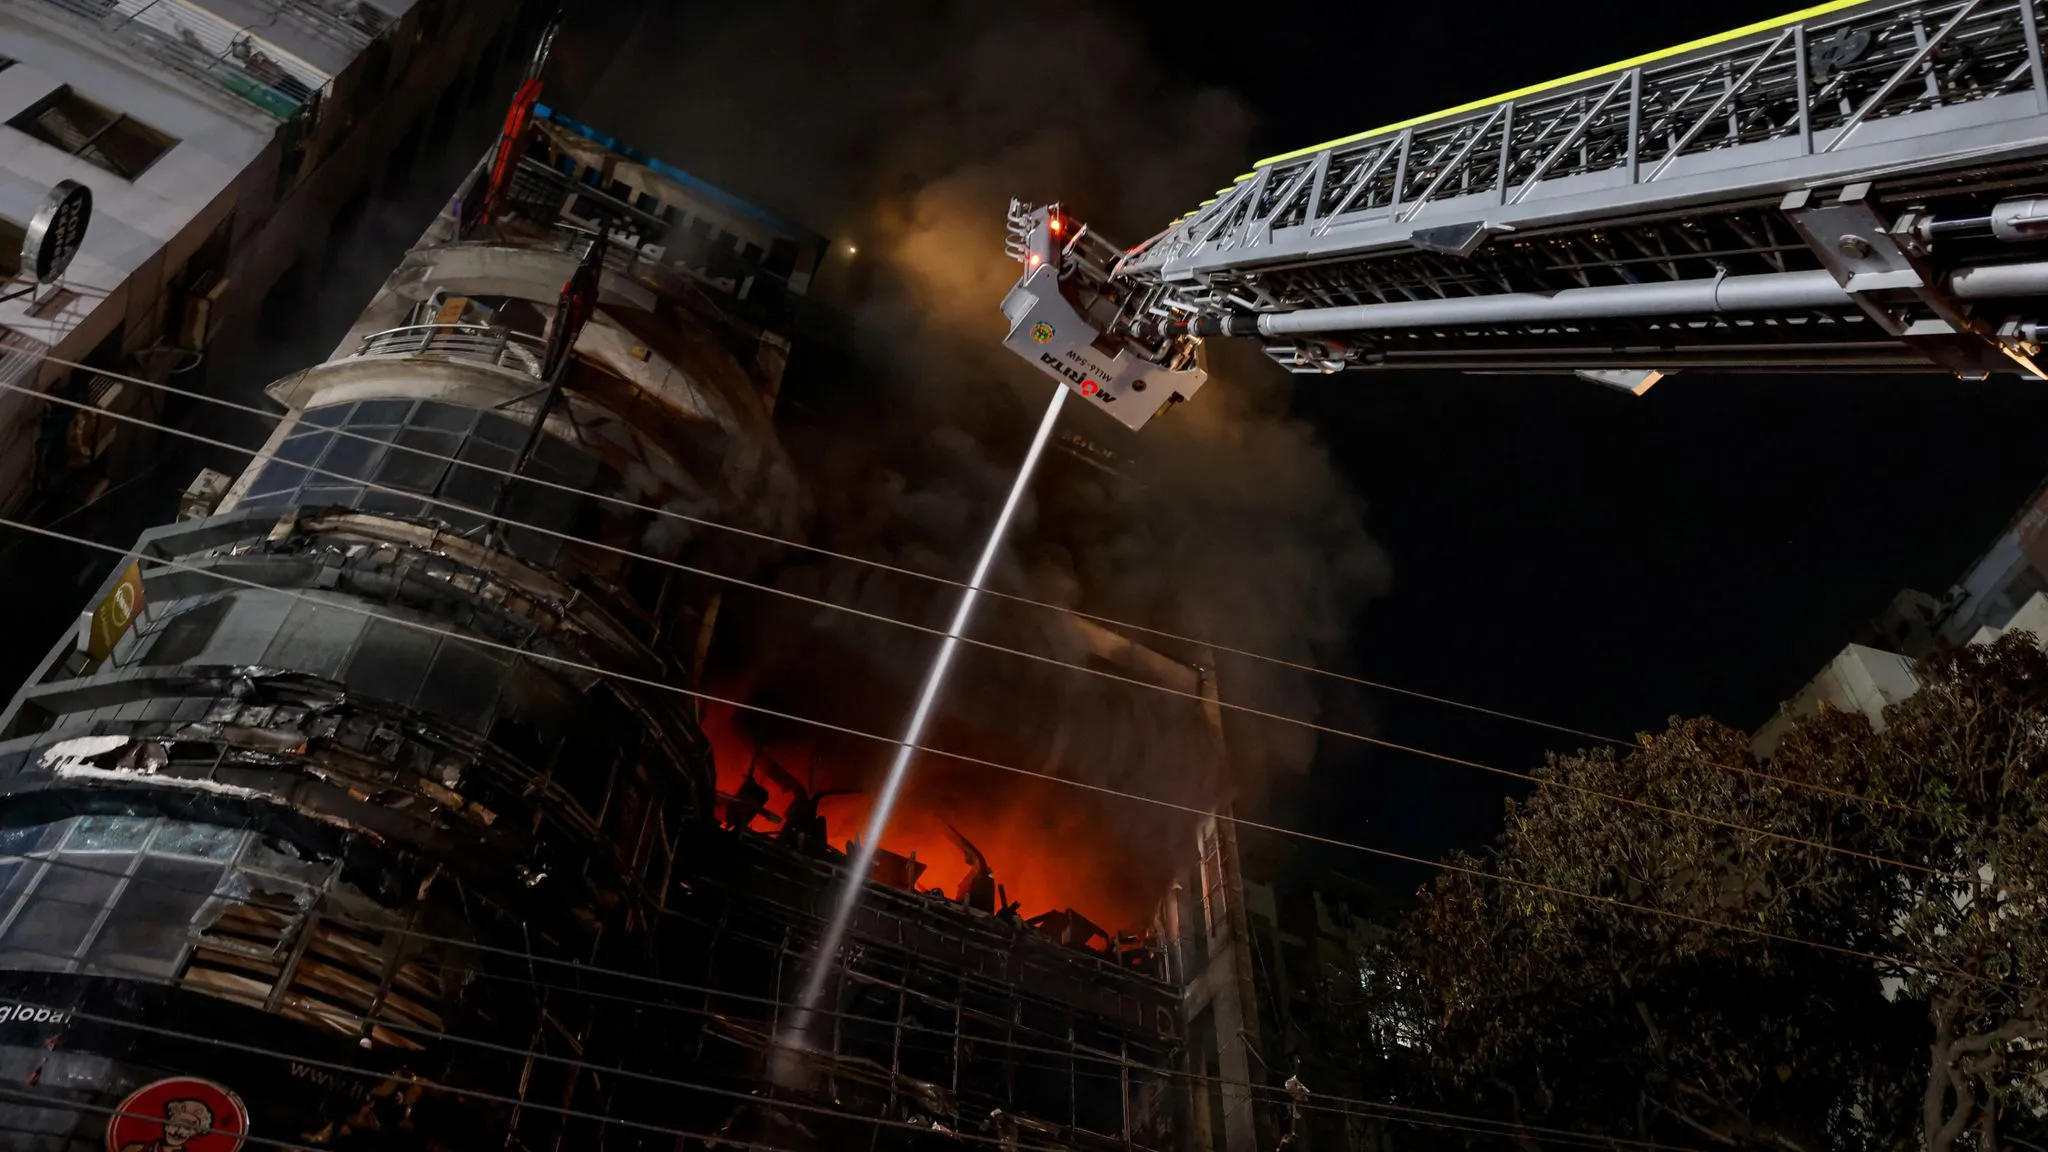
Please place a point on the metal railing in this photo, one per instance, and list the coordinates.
(122, 27)
(466, 343)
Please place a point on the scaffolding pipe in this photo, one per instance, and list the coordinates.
(1777, 291)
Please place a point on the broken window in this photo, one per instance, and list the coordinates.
(120, 894)
(93, 132)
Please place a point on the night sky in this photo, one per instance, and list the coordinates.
(1558, 550)
(1570, 553)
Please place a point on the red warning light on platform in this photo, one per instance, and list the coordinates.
(1054, 224)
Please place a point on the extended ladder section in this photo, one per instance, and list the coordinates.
(1853, 186)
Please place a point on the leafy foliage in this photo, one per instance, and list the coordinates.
(1842, 948)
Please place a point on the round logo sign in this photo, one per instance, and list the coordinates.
(182, 1114)
(56, 232)
(1041, 331)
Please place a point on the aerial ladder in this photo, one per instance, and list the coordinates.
(1858, 186)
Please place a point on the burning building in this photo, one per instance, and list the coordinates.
(374, 806)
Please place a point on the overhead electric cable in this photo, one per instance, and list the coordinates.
(1496, 1127)
(964, 758)
(949, 636)
(882, 566)
(1383, 1110)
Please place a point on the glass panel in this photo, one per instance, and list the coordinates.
(448, 417)
(304, 446)
(390, 661)
(332, 416)
(277, 478)
(382, 412)
(421, 468)
(18, 841)
(330, 497)
(57, 918)
(349, 458)
(210, 841)
(500, 430)
(110, 834)
(149, 928)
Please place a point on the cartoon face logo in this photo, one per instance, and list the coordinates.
(179, 1115)
(1041, 331)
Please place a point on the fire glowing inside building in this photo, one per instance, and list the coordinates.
(373, 805)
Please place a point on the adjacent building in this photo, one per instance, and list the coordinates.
(2004, 590)
(221, 141)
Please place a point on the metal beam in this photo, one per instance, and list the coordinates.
(1771, 292)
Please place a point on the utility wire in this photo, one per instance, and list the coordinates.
(50, 1099)
(1384, 1110)
(581, 968)
(1187, 809)
(1196, 697)
(1500, 1128)
(769, 538)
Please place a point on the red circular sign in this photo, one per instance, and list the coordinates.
(179, 1115)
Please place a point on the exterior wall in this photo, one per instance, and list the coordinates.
(265, 166)
(2014, 568)
(355, 789)
(344, 661)
(1860, 679)
(2032, 617)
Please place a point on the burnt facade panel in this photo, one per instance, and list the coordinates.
(380, 823)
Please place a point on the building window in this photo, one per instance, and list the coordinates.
(11, 236)
(79, 127)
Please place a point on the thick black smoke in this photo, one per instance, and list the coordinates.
(903, 129)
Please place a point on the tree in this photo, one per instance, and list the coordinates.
(1646, 967)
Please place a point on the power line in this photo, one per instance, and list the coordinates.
(1195, 697)
(1383, 1110)
(49, 1098)
(580, 968)
(769, 538)
(1499, 1127)
(963, 758)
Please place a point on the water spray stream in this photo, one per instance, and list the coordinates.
(863, 860)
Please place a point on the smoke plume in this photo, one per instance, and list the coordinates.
(902, 130)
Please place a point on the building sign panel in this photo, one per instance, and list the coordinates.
(56, 233)
(115, 614)
(181, 1114)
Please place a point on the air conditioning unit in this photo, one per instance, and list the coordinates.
(203, 496)
(199, 318)
(91, 433)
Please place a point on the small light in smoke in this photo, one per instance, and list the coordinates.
(852, 251)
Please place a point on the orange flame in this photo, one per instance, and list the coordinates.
(1050, 846)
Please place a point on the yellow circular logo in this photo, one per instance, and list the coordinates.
(1041, 331)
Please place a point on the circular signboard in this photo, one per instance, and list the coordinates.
(182, 1114)
(55, 234)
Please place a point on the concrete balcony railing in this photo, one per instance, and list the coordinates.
(462, 343)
